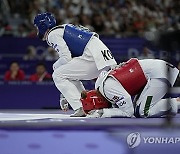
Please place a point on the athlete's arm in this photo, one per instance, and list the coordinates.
(55, 40)
(120, 99)
(115, 112)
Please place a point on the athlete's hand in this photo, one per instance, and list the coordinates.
(64, 103)
(95, 113)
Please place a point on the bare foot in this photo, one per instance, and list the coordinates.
(178, 99)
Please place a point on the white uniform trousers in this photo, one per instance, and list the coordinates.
(150, 102)
(81, 68)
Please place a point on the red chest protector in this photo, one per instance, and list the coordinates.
(131, 76)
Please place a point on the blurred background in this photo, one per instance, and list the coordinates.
(130, 28)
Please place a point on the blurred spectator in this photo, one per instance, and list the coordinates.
(50, 54)
(85, 21)
(98, 23)
(120, 17)
(177, 83)
(22, 31)
(41, 74)
(31, 54)
(7, 30)
(138, 23)
(14, 73)
(111, 24)
(146, 54)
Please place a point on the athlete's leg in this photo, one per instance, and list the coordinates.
(161, 107)
(153, 92)
(65, 76)
(86, 67)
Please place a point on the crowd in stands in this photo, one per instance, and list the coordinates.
(15, 73)
(107, 17)
(48, 55)
(120, 18)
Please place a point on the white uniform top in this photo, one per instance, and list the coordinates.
(112, 89)
(94, 46)
(55, 37)
(90, 56)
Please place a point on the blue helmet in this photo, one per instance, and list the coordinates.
(43, 22)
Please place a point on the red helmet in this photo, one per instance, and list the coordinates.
(91, 101)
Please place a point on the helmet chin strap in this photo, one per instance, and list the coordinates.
(43, 37)
(40, 36)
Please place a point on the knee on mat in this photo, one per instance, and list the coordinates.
(140, 112)
(131, 113)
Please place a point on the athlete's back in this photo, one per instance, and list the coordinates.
(156, 68)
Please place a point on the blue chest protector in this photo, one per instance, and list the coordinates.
(76, 39)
